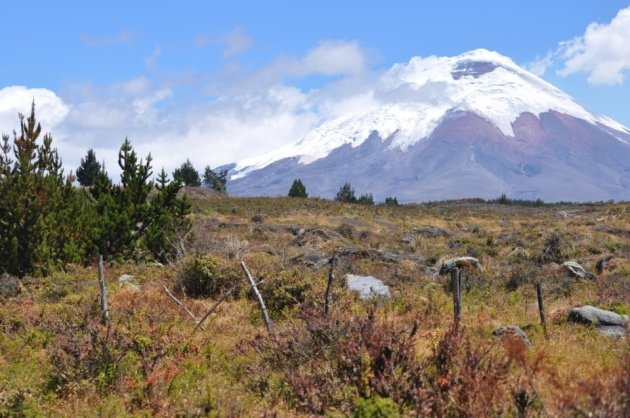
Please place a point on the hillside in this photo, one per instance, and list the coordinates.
(58, 359)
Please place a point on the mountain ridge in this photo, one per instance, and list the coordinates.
(481, 99)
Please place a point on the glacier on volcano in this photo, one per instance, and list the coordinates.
(498, 121)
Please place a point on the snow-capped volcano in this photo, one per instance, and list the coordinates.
(480, 99)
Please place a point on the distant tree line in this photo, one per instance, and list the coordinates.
(345, 194)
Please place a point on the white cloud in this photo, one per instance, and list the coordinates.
(603, 51)
(346, 59)
(253, 112)
(151, 61)
(236, 42)
(50, 109)
(334, 58)
(233, 42)
(541, 64)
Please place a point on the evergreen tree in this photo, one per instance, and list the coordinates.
(297, 189)
(123, 208)
(167, 233)
(44, 221)
(187, 175)
(366, 199)
(129, 219)
(215, 181)
(346, 194)
(391, 201)
(88, 170)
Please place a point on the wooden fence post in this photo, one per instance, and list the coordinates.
(103, 286)
(261, 302)
(541, 308)
(331, 278)
(172, 296)
(457, 297)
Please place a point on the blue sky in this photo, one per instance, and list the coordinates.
(221, 81)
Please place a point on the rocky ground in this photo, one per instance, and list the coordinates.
(370, 331)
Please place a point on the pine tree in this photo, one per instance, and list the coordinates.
(130, 220)
(297, 189)
(346, 194)
(187, 174)
(88, 170)
(123, 208)
(44, 221)
(167, 234)
(366, 199)
(215, 181)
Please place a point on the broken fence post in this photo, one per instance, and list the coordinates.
(261, 302)
(103, 286)
(457, 301)
(214, 307)
(541, 308)
(183, 307)
(331, 277)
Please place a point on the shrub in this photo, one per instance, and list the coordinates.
(553, 249)
(284, 291)
(522, 274)
(333, 361)
(207, 276)
(469, 379)
(375, 407)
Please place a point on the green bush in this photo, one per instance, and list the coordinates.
(284, 291)
(375, 407)
(207, 276)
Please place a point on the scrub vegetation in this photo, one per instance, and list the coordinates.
(375, 357)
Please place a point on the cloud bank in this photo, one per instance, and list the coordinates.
(245, 113)
(603, 52)
(238, 113)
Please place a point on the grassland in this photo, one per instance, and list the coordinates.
(397, 356)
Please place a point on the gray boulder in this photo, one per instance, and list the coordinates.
(512, 331)
(128, 281)
(367, 286)
(460, 262)
(576, 270)
(603, 263)
(9, 286)
(607, 322)
(427, 231)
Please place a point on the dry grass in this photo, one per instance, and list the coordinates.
(56, 358)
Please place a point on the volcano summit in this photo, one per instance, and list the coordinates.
(473, 125)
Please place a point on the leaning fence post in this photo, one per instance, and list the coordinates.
(331, 277)
(457, 301)
(261, 302)
(103, 286)
(172, 296)
(541, 308)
